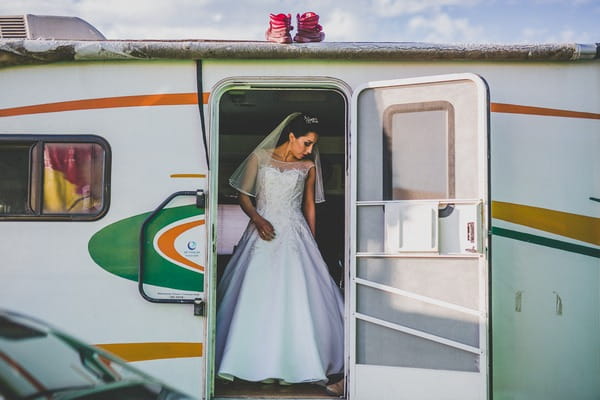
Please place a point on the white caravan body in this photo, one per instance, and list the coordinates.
(465, 183)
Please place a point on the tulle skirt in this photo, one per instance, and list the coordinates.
(280, 314)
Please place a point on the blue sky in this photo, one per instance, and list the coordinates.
(443, 21)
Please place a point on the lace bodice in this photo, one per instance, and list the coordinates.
(280, 189)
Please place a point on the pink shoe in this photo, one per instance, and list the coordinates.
(309, 29)
(280, 26)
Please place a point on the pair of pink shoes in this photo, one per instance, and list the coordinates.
(309, 29)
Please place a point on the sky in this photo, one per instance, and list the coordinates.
(439, 21)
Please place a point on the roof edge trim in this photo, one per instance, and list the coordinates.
(21, 52)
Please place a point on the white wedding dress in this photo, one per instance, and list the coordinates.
(280, 314)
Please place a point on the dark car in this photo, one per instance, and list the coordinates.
(40, 362)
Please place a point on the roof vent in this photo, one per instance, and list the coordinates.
(30, 26)
(13, 27)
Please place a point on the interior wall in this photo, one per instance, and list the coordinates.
(245, 118)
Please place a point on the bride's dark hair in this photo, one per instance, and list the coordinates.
(299, 126)
(263, 153)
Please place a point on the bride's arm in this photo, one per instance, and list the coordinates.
(309, 201)
(264, 227)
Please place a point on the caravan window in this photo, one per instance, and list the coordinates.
(53, 177)
(419, 151)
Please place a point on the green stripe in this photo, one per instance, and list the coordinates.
(542, 241)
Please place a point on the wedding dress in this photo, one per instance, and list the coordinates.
(280, 314)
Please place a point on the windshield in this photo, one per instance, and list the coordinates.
(35, 360)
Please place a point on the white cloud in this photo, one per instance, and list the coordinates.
(19, 7)
(173, 32)
(136, 10)
(392, 8)
(533, 35)
(442, 28)
(566, 35)
(565, 2)
(343, 26)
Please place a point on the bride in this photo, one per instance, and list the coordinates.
(280, 314)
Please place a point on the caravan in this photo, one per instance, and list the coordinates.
(461, 218)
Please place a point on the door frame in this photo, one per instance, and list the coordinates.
(275, 83)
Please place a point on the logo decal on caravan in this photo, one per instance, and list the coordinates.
(170, 263)
(175, 242)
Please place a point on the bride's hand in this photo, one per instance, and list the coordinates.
(264, 228)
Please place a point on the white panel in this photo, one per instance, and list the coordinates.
(547, 162)
(539, 353)
(460, 232)
(395, 383)
(48, 84)
(411, 227)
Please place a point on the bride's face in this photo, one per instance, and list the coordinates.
(302, 146)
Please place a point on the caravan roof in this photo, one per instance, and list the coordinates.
(15, 52)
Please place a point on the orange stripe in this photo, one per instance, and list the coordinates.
(552, 112)
(166, 243)
(575, 226)
(153, 351)
(191, 98)
(164, 99)
(188, 175)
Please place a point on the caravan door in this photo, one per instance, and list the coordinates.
(419, 256)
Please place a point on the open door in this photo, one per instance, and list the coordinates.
(419, 254)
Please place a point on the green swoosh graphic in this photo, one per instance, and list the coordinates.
(115, 248)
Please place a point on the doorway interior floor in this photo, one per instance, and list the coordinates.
(257, 390)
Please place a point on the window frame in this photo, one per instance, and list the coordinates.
(388, 156)
(35, 189)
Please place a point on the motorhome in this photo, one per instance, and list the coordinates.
(461, 218)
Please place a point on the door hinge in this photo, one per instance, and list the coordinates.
(199, 307)
(200, 199)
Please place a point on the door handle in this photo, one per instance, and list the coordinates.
(200, 203)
